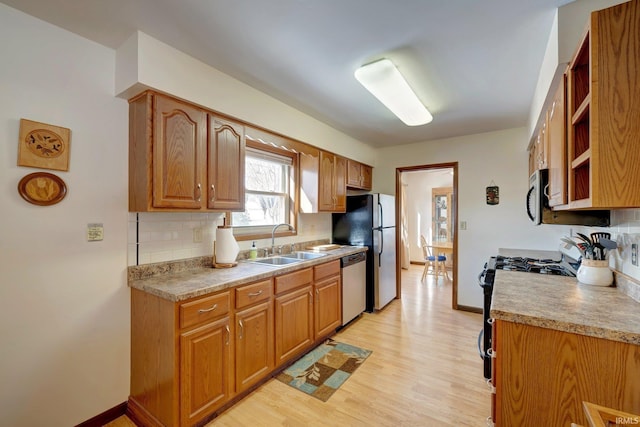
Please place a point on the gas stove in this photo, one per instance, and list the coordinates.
(567, 266)
(531, 265)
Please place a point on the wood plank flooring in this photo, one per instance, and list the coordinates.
(424, 371)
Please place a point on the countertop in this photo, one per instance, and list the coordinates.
(563, 304)
(179, 286)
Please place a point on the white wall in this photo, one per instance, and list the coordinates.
(419, 206)
(64, 302)
(496, 156)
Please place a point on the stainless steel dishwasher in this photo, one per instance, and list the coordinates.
(354, 282)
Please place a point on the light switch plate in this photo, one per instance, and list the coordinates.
(95, 232)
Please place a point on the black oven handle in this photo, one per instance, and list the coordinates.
(480, 351)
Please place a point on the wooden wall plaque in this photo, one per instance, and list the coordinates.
(43, 146)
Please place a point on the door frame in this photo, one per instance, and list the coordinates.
(454, 219)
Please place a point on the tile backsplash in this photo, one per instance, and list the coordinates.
(160, 237)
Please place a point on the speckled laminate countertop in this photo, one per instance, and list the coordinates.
(561, 303)
(182, 285)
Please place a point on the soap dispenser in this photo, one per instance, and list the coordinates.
(253, 253)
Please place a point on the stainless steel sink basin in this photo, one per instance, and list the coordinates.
(303, 255)
(277, 260)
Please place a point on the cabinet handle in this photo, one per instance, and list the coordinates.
(228, 334)
(317, 292)
(255, 294)
(213, 193)
(491, 353)
(206, 310)
(492, 389)
(198, 192)
(241, 328)
(310, 297)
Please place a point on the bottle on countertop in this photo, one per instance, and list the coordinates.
(253, 253)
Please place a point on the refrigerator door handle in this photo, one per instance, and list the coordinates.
(381, 223)
(381, 247)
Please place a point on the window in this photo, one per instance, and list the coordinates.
(269, 191)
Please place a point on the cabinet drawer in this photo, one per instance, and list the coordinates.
(253, 293)
(290, 281)
(326, 270)
(203, 309)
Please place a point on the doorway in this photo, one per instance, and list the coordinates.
(428, 205)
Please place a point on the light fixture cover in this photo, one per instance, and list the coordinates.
(385, 82)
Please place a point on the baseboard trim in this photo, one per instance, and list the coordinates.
(469, 308)
(106, 417)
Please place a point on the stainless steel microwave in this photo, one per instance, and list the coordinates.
(539, 212)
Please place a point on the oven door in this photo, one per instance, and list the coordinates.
(485, 280)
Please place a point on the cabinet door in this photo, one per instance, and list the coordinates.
(294, 323)
(340, 184)
(557, 148)
(367, 177)
(326, 194)
(225, 173)
(354, 175)
(254, 344)
(178, 154)
(327, 307)
(205, 355)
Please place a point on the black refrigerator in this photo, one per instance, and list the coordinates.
(370, 221)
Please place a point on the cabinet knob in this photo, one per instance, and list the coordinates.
(198, 192)
(213, 193)
(492, 389)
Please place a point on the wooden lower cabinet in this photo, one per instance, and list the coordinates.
(254, 345)
(293, 314)
(205, 370)
(543, 376)
(190, 358)
(328, 302)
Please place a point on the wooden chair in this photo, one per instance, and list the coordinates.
(433, 264)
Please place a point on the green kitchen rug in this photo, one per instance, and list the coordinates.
(324, 369)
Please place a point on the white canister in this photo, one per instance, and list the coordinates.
(226, 248)
(595, 272)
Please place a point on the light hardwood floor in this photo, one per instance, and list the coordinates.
(424, 371)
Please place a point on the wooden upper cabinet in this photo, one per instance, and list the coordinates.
(177, 162)
(226, 149)
(603, 111)
(557, 146)
(359, 176)
(323, 183)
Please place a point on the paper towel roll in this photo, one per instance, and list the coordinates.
(226, 246)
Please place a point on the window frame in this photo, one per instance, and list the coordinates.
(264, 231)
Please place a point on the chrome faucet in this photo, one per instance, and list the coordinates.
(273, 234)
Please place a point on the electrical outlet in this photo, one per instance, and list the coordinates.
(634, 254)
(197, 235)
(463, 225)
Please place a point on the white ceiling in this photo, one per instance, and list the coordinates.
(474, 63)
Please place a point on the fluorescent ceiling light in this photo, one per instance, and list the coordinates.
(385, 82)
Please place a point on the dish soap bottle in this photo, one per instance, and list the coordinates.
(253, 253)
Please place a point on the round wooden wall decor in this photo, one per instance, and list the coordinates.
(42, 188)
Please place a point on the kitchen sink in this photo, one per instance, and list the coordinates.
(303, 255)
(279, 260)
